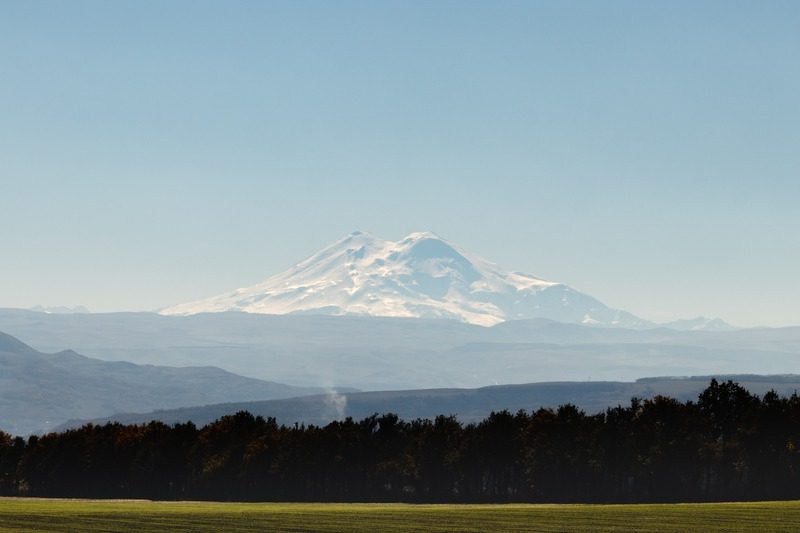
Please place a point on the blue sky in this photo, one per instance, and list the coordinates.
(647, 153)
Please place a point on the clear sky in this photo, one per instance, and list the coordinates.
(647, 153)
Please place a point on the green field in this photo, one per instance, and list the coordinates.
(81, 515)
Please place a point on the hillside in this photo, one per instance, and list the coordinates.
(39, 391)
(468, 404)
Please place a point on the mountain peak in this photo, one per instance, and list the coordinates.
(420, 235)
(700, 323)
(358, 237)
(422, 275)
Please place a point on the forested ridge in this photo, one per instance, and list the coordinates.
(727, 445)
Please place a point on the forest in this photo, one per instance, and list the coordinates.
(728, 445)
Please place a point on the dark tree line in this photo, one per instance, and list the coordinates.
(728, 445)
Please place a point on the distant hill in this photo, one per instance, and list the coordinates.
(378, 353)
(468, 404)
(39, 391)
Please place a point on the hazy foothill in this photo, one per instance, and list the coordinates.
(39, 391)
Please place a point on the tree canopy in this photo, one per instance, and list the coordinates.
(728, 445)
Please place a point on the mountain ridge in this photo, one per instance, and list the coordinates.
(39, 390)
(468, 404)
(392, 353)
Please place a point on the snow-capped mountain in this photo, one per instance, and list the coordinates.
(420, 276)
(700, 323)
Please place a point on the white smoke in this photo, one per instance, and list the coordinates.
(337, 403)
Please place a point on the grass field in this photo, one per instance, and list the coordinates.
(144, 516)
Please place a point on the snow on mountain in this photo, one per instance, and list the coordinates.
(700, 323)
(60, 309)
(420, 276)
